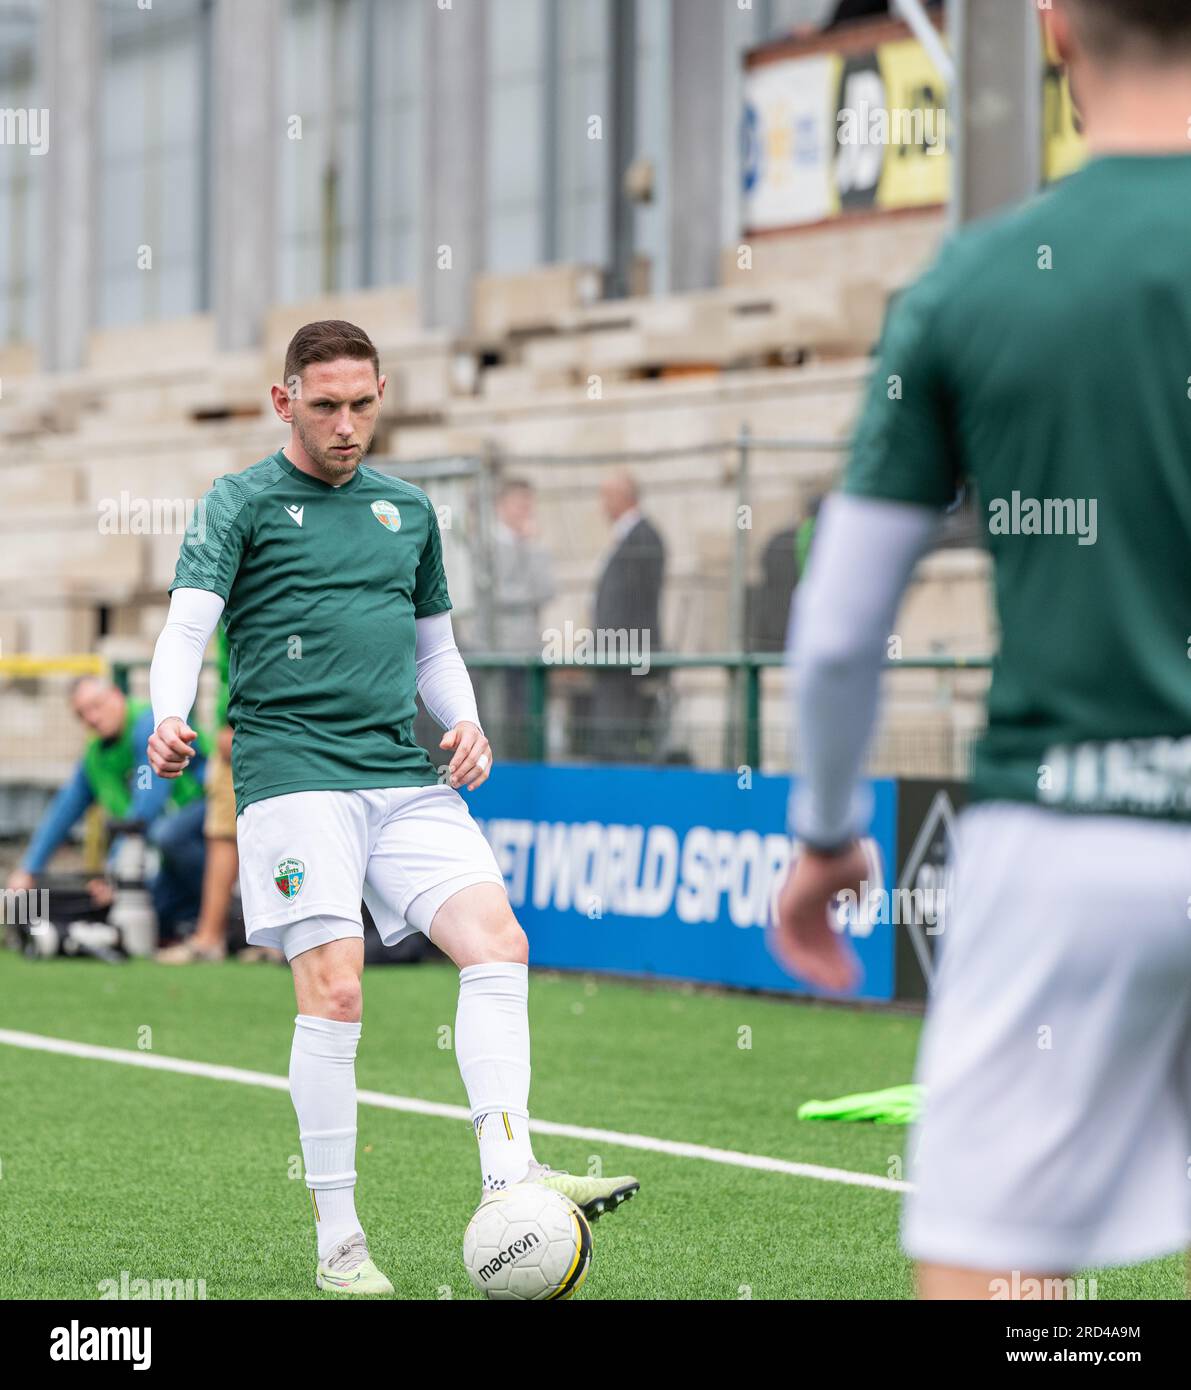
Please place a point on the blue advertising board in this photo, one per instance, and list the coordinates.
(662, 871)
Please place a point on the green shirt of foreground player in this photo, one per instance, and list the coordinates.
(1077, 437)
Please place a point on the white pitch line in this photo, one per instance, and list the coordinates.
(36, 1042)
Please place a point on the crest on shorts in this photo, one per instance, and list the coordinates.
(388, 515)
(289, 876)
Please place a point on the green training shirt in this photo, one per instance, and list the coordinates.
(1046, 360)
(322, 587)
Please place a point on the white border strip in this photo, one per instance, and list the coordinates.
(35, 1042)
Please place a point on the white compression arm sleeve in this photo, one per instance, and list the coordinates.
(178, 656)
(863, 554)
(443, 682)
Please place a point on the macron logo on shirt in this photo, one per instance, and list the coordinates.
(295, 513)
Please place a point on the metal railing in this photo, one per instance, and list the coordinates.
(743, 725)
(483, 471)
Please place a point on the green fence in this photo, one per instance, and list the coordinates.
(525, 728)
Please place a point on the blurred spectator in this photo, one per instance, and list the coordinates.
(769, 601)
(963, 525)
(628, 599)
(524, 572)
(783, 562)
(114, 771)
(209, 942)
(524, 582)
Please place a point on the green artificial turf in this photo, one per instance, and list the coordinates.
(107, 1168)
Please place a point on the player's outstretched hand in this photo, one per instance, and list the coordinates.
(803, 938)
(473, 757)
(170, 748)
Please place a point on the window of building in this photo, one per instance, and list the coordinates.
(587, 116)
(651, 140)
(349, 201)
(20, 172)
(394, 170)
(520, 138)
(152, 189)
(549, 131)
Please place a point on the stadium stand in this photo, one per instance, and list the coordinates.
(549, 373)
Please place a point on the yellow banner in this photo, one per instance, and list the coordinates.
(1063, 146)
(30, 667)
(917, 168)
(835, 133)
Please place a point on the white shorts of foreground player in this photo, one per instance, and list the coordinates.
(1057, 1050)
(307, 858)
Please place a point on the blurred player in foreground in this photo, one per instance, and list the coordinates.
(1046, 357)
(329, 578)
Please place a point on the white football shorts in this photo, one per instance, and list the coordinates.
(1056, 1055)
(307, 859)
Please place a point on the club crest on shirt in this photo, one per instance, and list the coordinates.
(289, 875)
(388, 515)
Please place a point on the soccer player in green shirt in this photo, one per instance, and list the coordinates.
(329, 579)
(1045, 359)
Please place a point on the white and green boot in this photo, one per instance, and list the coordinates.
(593, 1196)
(348, 1269)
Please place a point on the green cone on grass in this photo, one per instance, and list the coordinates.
(898, 1105)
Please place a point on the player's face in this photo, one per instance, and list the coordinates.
(336, 411)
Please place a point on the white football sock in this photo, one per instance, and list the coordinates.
(492, 1048)
(322, 1082)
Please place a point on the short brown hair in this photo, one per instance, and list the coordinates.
(1130, 28)
(327, 340)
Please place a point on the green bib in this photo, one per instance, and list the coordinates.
(110, 768)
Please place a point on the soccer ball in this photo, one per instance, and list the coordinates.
(529, 1243)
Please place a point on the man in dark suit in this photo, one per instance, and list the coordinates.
(627, 600)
